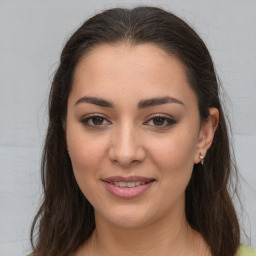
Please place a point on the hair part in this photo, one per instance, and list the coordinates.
(66, 219)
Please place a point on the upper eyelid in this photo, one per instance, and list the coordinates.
(168, 119)
(94, 115)
(166, 116)
(85, 119)
(149, 118)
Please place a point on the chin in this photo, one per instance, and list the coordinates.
(125, 218)
(130, 223)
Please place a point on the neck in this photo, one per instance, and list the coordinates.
(136, 241)
(167, 236)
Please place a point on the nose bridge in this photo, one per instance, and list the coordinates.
(126, 144)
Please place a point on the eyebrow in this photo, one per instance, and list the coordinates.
(158, 101)
(95, 101)
(142, 104)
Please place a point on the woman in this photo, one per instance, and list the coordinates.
(136, 159)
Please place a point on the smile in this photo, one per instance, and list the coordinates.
(128, 184)
(128, 187)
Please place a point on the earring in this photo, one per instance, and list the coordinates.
(202, 158)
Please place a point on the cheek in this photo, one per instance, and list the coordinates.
(86, 151)
(175, 151)
(174, 159)
(87, 157)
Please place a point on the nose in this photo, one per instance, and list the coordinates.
(126, 146)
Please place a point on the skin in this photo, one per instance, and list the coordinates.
(129, 141)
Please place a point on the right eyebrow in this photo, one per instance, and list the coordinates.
(158, 101)
(95, 101)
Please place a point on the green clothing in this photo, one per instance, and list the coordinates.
(246, 251)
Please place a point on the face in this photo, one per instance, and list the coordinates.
(133, 133)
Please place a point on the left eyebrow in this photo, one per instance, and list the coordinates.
(95, 101)
(158, 101)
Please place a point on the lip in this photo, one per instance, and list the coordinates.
(128, 179)
(128, 192)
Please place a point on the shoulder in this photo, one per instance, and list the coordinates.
(246, 251)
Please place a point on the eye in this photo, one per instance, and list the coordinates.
(161, 121)
(95, 121)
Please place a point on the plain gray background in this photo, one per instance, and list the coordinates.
(32, 34)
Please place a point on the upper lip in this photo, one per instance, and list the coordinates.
(127, 179)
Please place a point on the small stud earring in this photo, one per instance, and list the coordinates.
(202, 158)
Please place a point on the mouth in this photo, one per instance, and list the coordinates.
(123, 184)
(128, 187)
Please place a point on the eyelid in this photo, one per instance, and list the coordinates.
(171, 120)
(86, 118)
(167, 118)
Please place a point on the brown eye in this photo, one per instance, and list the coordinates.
(159, 121)
(97, 120)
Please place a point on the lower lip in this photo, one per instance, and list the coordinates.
(124, 192)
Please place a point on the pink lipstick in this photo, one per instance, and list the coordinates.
(127, 187)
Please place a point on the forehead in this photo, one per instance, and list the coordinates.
(133, 71)
(110, 59)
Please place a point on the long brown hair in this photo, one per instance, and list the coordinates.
(66, 219)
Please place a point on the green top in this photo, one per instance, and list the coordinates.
(246, 251)
(243, 251)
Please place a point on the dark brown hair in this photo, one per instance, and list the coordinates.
(66, 219)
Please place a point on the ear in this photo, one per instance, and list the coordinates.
(206, 135)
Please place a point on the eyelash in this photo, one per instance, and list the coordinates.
(168, 121)
(86, 120)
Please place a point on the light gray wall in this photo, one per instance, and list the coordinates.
(32, 34)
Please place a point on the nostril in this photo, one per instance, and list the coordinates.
(126, 148)
(126, 157)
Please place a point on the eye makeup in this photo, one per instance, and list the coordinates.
(158, 121)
